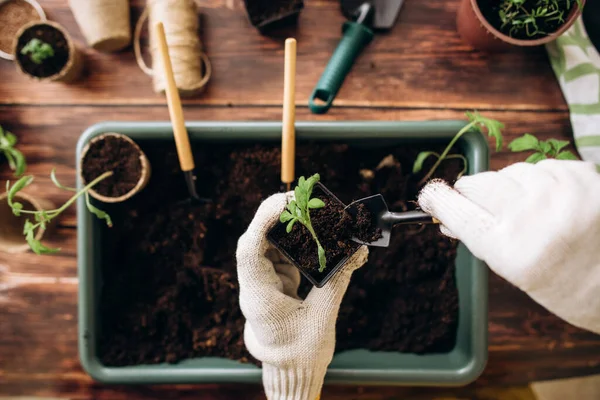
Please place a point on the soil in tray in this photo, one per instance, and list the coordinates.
(491, 8)
(116, 155)
(170, 290)
(335, 229)
(52, 65)
(269, 10)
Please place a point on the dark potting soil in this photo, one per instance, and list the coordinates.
(170, 290)
(52, 65)
(116, 155)
(334, 227)
(491, 11)
(266, 10)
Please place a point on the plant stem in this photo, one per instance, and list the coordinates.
(446, 151)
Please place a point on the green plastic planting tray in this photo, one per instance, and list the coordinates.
(458, 367)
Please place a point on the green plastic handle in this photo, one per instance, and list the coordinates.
(356, 37)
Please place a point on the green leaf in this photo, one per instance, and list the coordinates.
(494, 127)
(535, 157)
(18, 186)
(57, 183)
(285, 217)
(38, 247)
(28, 227)
(290, 225)
(302, 182)
(558, 145)
(98, 212)
(316, 203)
(16, 208)
(524, 143)
(292, 206)
(424, 155)
(546, 148)
(20, 164)
(322, 259)
(311, 182)
(301, 198)
(566, 155)
(11, 139)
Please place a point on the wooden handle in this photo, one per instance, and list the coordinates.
(288, 134)
(182, 140)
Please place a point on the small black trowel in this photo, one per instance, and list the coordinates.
(385, 220)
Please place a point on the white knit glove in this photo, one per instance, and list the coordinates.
(294, 339)
(537, 226)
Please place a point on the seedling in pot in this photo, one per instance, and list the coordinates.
(543, 149)
(476, 121)
(15, 158)
(41, 218)
(37, 50)
(315, 231)
(533, 18)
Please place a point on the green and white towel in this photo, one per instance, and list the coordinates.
(576, 63)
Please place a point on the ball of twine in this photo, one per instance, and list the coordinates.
(191, 66)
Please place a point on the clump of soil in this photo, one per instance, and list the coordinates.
(52, 65)
(491, 11)
(13, 15)
(117, 155)
(335, 229)
(170, 289)
(266, 11)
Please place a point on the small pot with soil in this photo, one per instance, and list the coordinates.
(46, 52)
(273, 14)
(11, 227)
(315, 231)
(495, 25)
(121, 155)
(14, 14)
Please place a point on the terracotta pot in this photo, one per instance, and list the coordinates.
(475, 30)
(71, 70)
(12, 239)
(144, 177)
(104, 23)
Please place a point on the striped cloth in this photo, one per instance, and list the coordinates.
(576, 63)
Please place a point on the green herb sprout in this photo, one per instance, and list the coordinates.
(476, 121)
(15, 158)
(529, 16)
(43, 217)
(38, 51)
(543, 149)
(299, 211)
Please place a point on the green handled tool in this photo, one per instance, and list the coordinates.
(357, 34)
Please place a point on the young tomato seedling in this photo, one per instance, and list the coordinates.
(43, 217)
(476, 121)
(15, 158)
(299, 211)
(37, 50)
(543, 149)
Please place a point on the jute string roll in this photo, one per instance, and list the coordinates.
(191, 66)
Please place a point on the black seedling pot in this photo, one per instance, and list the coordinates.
(312, 273)
(266, 21)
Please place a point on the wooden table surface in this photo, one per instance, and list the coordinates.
(418, 71)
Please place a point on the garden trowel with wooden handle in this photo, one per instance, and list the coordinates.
(182, 139)
(385, 220)
(363, 18)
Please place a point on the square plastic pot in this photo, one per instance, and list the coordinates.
(356, 367)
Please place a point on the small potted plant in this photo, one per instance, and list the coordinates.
(497, 24)
(44, 51)
(272, 14)
(315, 231)
(121, 155)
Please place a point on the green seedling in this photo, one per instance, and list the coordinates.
(476, 121)
(543, 149)
(529, 16)
(299, 211)
(37, 50)
(43, 217)
(15, 158)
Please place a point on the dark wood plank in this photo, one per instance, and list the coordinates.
(420, 63)
(38, 299)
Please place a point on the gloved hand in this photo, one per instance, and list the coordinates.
(294, 339)
(537, 226)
